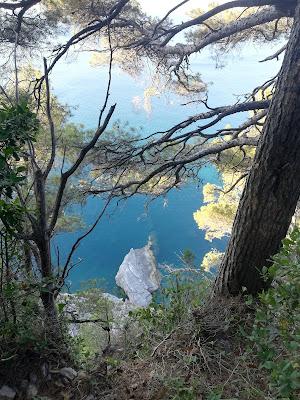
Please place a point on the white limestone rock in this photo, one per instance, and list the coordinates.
(78, 307)
(120, 310)
(138, 276)
(72, 308)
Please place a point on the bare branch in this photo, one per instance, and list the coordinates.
(167, 15)
(77, 243)
(65, 176)
(50, 122)
(173, 164)
(21, 4)
(220, 113)
(230, 29)
(204, 17)
(89, 321)
(275, 55)
(16, 66)
(243, 176)
(109, 78)
(86, 32)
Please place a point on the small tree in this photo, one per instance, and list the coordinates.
(31, 191)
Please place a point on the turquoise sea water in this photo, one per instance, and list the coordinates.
(170, 223)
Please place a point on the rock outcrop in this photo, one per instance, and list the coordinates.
(79, 308)
(120, 310)
(138, 276)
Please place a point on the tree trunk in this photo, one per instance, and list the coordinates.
(42, 240)
(47, 290)
(272, 189)
(27, 259)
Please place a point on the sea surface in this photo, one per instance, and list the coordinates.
(169, 222)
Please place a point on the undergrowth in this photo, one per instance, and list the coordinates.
(276, 328)
(186, 346)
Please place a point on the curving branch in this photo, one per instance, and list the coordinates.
(50, 123)
(177, 164)
(219, 113)
(77, 243)
(21, 4)
(166, 16)
(228, 30)
(243, 176)
(85, 33)
(275, 55)
(66, 175)
(216, 10)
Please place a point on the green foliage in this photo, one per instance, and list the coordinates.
(93, 337)
(261, 357)
(11, 214)
(188, 257)
(17, 126)
(91, 286)
(215, 395)
(18, 292)
(217, 214)
(276, 330)
(172, 306)
(24, 329)
(21, 320)
(182, 293)
(181, 390)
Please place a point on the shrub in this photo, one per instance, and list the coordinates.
(276, 329)
(182, 292)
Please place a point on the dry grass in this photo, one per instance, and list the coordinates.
(203, 356)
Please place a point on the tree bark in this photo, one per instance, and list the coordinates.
(272, 189)
(42, 240)
(47, 290)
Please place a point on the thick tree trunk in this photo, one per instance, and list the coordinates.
(273, 187)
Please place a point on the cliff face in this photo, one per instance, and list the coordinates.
(138, 276)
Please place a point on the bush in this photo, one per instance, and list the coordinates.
(172, 307)
(222, 348)
(276, 329)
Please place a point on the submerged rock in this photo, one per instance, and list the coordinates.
(138, 276)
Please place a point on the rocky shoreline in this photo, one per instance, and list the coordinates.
(138, 277)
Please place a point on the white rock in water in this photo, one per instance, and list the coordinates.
(138, 276)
